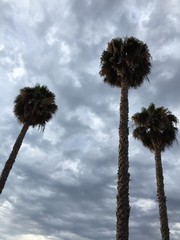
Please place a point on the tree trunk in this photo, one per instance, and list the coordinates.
(9, 163)
(161, 196)
(123, 208)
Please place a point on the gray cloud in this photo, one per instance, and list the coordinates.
(63, 184)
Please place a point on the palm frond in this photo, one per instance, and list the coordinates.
(35, 105)
(155, 127)
(125, 59)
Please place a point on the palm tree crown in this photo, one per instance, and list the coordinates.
(155, 127)
(35, 106)
(125, 58)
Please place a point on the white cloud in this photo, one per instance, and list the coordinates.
(144, 205)
(34, 237)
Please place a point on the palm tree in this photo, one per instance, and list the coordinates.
(124, 64)
(32, 107)
(155, 128)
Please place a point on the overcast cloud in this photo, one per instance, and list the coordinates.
(63, 184)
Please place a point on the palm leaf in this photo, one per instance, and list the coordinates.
(155, 127)
(125, 58)
(35, 106)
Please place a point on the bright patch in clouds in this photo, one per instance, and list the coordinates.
(65, 53)
(51, 38)
(5, 208)
(35, 237)
(18, 72)
(86, 116)
(144, 205)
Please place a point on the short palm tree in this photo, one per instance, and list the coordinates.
(156, 129)
(124, 64)
(33, 107)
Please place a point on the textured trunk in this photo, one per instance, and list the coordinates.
(161, 196)
(9, 163)
(123, 208)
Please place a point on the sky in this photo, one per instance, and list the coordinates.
(63, 183)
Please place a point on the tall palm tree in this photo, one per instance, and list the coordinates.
(156, 129)
(124, 64)
(33, 107)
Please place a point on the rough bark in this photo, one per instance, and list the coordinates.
(12, 157)
(161, 196)
(123, 208)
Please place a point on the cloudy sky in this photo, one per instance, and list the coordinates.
(63, 184)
